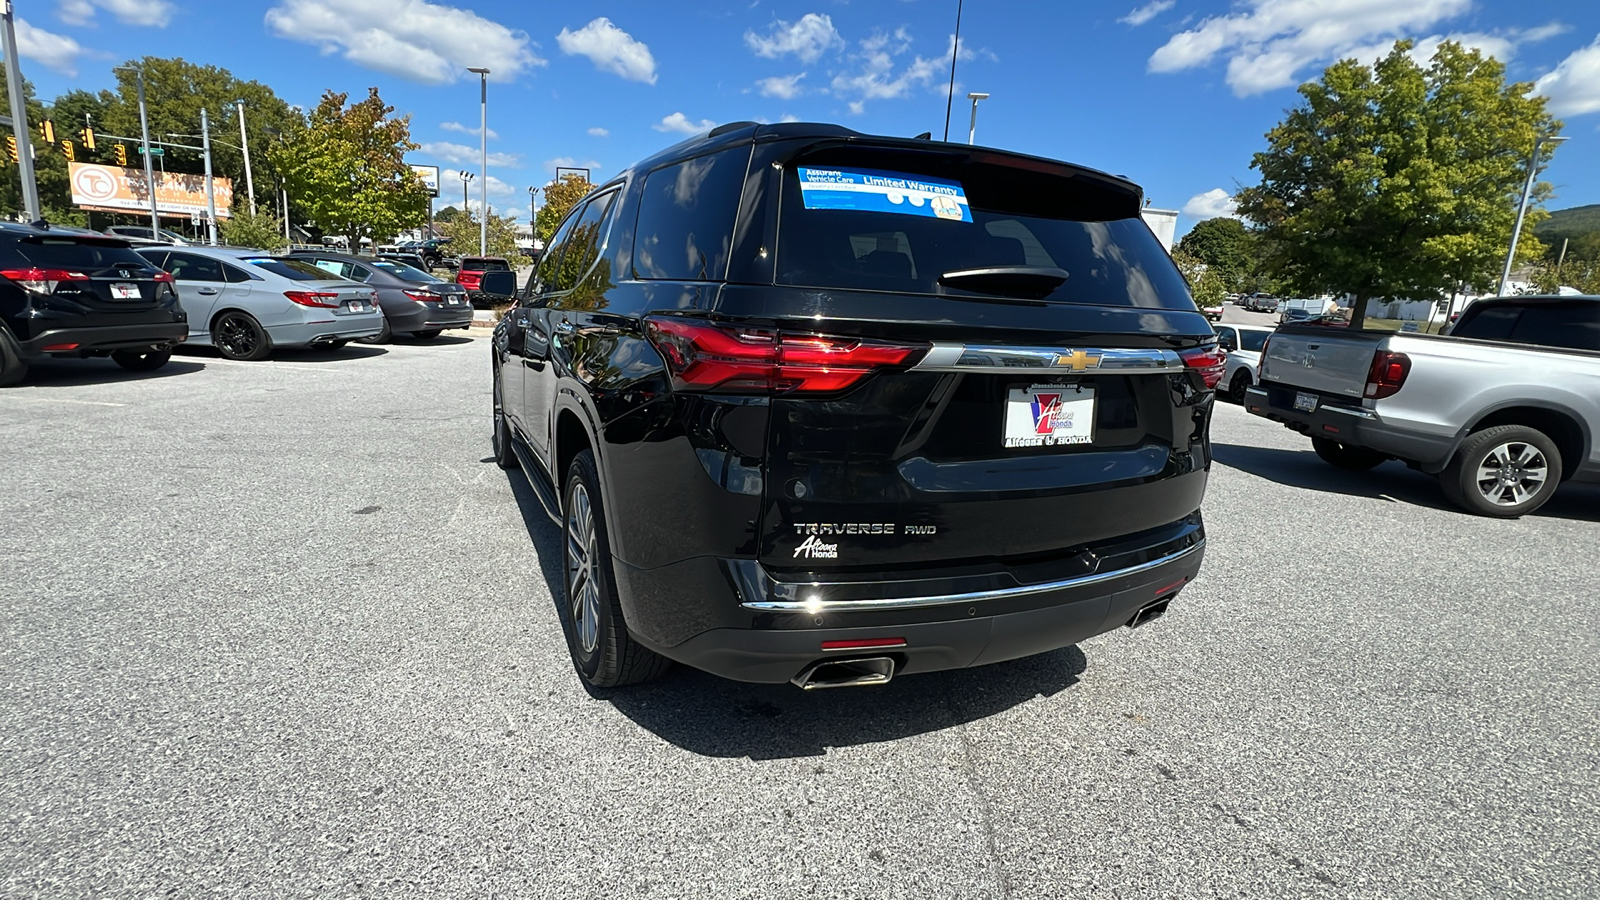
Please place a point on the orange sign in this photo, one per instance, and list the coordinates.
(120, 189)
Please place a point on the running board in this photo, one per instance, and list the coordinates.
(534, 473)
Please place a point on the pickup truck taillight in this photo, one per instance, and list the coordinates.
(1387, 375)
(702, 356)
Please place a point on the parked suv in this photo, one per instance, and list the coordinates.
(74, 294)
(817, 406)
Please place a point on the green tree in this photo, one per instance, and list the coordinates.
(347, 170)
(445, 215)
(463, 230)
(262, 230)
(559, 197)
(1227, 247)
(1205, 282)
(1396, 180)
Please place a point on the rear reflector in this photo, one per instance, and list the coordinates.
(1209, 360)
(865, 644)
(318, 299)
(42, 281)
(703, 356)
(1173, 586)
(60, 348)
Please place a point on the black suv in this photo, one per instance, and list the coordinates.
(75, 294)
(823, 407)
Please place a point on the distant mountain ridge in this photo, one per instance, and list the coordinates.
(1569, 223)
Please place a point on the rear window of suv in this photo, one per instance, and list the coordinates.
(71, 253)
(897, 221)
(484, 264)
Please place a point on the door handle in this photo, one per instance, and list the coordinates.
(565, 326)
(207, 291)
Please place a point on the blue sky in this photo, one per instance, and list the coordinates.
(1175, 94)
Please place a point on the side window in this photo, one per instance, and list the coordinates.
(546, 273)
(686, 217)
(185, 267)
(355, 272)
(1568, 326)
(1227, 339)
(235, 275)
(583, 242)
(1493, 323)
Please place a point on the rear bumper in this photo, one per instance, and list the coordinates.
(414, 316)
(162, 336)
(780, 626)
(1355, 426)
(343, 328)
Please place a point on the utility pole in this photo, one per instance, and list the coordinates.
(465, 177)
(483, 163)
(244, 141)
(972, 130)
(211, 197)
(19, 119)
(149, 173)
(1522, 208)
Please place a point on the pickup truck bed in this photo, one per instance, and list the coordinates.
(1367, 396)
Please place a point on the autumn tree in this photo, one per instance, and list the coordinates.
(464, 230)
(559, 197)
(1398, 180)
(347, 172)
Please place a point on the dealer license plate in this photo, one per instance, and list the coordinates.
(125, 291)
(357, 306)
(1305, 402)
(451, 300)
(1048, 415)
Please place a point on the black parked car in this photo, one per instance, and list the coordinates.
(73, 294)
(413, 301)
(817, 406)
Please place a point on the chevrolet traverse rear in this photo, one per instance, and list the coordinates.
(822, 407)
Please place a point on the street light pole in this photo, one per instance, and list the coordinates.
(19, 119)
(1522, 208)
(972, 130)
(483, 160)
(244, 141)
(465, 177)
(211, 197)
(149, 174)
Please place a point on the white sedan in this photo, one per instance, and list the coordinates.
(1243, 343)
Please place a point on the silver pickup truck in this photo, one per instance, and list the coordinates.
(1503, 409)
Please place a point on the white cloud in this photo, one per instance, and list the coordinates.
(784, 87)
(1573, 86)
(413, 39)
(466, 129)
(680, 123)
(807, 39)
(1210, 205)
(462, 155)
(155, 13)
(1502, 45)
(54, 51)
(1146, 12)
(567, 162)
(789, 117)
(610, 49)
(877, 78)
(1268, 42)
(597, 131)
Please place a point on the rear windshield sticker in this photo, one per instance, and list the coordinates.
(887, 192)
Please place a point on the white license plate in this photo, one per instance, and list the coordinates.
(1305, 402)
(125, 291)
(357, 306)
(1048, 415)
(452, 300)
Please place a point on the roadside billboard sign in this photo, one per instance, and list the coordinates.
(430, 178)
(123, 189)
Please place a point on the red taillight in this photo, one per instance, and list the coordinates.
(314, 298)
(702, 356)
(163, 276)
(42, 281)
(423, 296)
(1387, 375)
(59, 348)
(469, 280)
(864, 644)
(1209, 360)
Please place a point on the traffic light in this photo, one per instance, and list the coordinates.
(121, 151)
(88, 138)
(48, 129)
(68, 152)
(11, 147)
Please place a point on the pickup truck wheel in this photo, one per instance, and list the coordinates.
(602, 650)
(141, 360)
(1506, 471)
(504, 456)
(1344, 456)
(1237, 387)
(13, 368)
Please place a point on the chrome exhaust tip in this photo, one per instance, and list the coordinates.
(834, 673)
(1150, 612)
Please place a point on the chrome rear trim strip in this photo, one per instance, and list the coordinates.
(957, 357)
(827, 606)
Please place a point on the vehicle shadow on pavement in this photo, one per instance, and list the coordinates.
(1389, 481)
(296, 354)
(51, 373)
(716, 717)
(442, 340)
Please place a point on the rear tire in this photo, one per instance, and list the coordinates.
(1344, 456)
(13, 368)
(237, 335)
(428, 335)
(381, 337)
(602, 650)
(1505, 472)
(141, 360)
(1241, 382)
(505, 456)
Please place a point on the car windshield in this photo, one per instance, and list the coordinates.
(1253, 341)
(292, 269)
(403, 271)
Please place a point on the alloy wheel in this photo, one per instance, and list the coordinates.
(583, 590)
(235, 336)
(1512, 473)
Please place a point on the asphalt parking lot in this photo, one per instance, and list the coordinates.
(281, 629)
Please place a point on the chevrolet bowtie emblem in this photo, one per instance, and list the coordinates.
(1078, 360)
